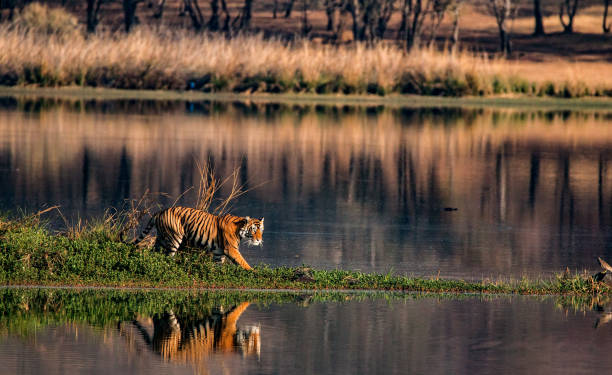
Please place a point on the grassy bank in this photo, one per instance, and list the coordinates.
(179, 60)
(54, 96)
(31, 254)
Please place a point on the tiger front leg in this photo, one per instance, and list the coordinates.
(219, 258)
(233, 253)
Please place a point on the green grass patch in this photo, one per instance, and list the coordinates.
(94, 256)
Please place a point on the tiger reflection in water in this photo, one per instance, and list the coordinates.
(193, 340)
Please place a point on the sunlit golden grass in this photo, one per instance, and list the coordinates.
(179, 60)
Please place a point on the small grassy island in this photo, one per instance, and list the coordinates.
(31, 254)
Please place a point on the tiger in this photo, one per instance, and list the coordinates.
(220, 235)
(182, 338)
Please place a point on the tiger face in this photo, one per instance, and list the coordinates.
(252, 231)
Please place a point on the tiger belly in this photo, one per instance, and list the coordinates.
(209, 246)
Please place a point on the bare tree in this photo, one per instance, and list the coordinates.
(330, 11)
(339, 26)
(537, 17)
(569, 8)
(289, 8)
(129, 13)
(244, 19)
(195, 13)
(413, 14)
(606, 26)
(159, 9)
(370, 17)
(213, 21)
(439, 9)
(93, 14)
(226, 22)
(384, 11)
(306, 26)
(456, 9)
(502, 10)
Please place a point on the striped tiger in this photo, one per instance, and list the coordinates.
(220, 235)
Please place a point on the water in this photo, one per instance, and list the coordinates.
(132, 332)
(367, 188)
(364, 188)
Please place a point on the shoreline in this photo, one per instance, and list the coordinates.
(394, 100)
(560, 285)
(311, 291)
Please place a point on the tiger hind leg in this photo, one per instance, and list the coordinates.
(168, 245)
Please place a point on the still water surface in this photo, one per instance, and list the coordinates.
(350, 187)
(143, 332)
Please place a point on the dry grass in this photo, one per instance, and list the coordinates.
(181, 60)
(41, 19)
(210, 185)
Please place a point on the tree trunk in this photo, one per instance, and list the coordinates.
(569, 8)
(227, 20)
(93, 8)
(414, 31)
(274, 9)
(213, 22)
(330, 10)
(352, 8)
(386, 10)
(537, 16)
(504, 40)
(305, 25)
(129, 13)
(502, 10)
(606, 25)
(159, 13)
(289, 8)
(195, 13)
(339, 27)
(455, 34)
(401, 31)
(247, 12)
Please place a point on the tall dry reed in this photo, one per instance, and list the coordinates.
(180, 60)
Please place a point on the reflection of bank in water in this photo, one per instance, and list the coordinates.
(192, 339)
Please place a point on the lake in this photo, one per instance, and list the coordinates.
(93, 331)
(472, 193)
(467, 193)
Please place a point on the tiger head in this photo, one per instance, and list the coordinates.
(252, 230)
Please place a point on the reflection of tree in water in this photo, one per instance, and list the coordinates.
(192, 339)
(351, 172)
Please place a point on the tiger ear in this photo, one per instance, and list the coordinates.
(248, 218)
(262, 220)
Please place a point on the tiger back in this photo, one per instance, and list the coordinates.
(221, 235)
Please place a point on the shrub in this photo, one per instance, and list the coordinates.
(41, 19)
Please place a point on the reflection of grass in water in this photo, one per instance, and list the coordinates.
(94, 256)
(583, 303)
(24, 311)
